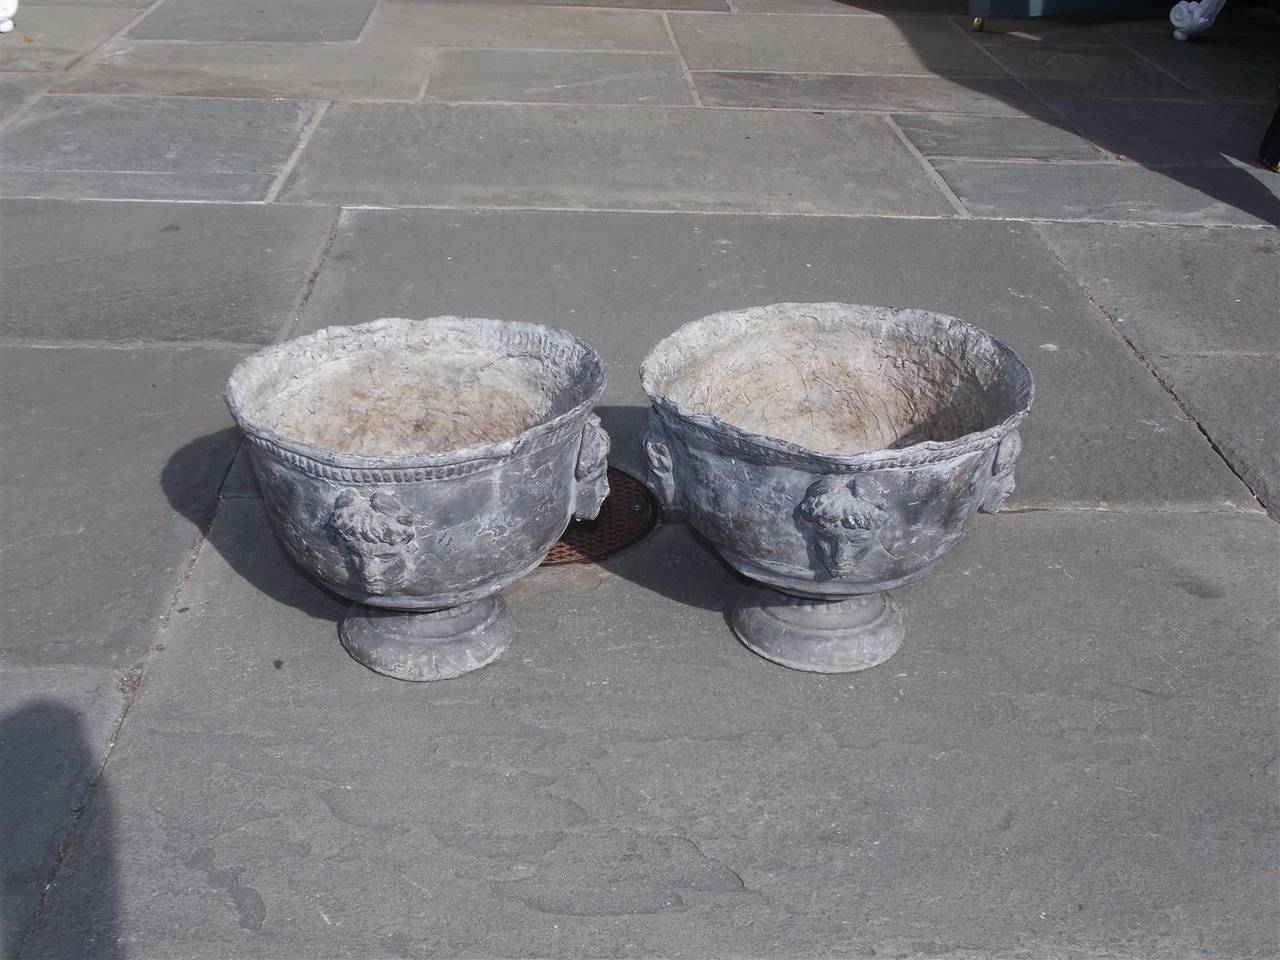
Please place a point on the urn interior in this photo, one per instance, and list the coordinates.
(411, 389)
(836, 383)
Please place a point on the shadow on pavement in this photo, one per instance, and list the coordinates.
(1233, 43)
(43, 749)
(248, 548)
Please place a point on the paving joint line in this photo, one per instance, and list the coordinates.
(929, 170)
(33, 343)
(303, 139)
(1141, 57)
(684, 64)
(130, 684)
(368, 22)
(287, 328)
(1143, 359)
(1057, 116)
(518, 208)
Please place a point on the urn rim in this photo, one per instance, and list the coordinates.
(259, 364)
(773, 448)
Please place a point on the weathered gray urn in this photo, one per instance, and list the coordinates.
(419, 466)
(831, 452)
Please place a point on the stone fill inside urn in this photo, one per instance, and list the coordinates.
(813, 378)
(429, 389)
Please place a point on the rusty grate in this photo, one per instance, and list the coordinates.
(627, 515)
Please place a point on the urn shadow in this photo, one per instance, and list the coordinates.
(249, 549)
(43, 751)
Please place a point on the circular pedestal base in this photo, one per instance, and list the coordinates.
(432, 645)
(822, 636)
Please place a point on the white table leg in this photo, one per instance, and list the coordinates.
(1192, 16)
(7, 9)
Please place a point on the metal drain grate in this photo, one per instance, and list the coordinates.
(627, 515)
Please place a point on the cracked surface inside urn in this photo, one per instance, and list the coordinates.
(839, 389)
(419, 392)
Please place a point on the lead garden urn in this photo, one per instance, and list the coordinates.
(830, 453)
(417, 467)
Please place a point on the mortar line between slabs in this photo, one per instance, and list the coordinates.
(287, 328)
(1110, 322)
(1058, 117)
(368, 21)
(74, 343)
(303, 139)
(78, 63)
(775, 214)
(684, 64)
(934, 176)
(130, 684)
(1143, 58)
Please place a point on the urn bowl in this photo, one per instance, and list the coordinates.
(832, 451)
(422, 465)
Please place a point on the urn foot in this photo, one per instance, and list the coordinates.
(822, 636)
(430, 645)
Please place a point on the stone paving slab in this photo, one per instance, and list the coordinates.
(1179, 291)
(54, 38)
(115, 457)
(992, 137)
(364, 71)
(56, 725)
(1065, 71)
(1171, 133)
(1032, 774)
(18, 89)
(640, 157)
(143, 271)
(289, 20)
(172, 148)
(1185, 195)
(516, 27)
(721, 6)
(807, 44)
(1216, 65)
(553, 76)
(914, 7)
(969, 95)
(1235, 399)
(1103, 431)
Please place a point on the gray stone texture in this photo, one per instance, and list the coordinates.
(1234, 399)
(111, 459)
(151, 148)
(807, 44)
(1237, 67)
(155, 272)
(995, 137)
(1185, 195)
(1098, 72)
(1178, 291)
(716, 5)
(642, 157)
(1204, 318)
(54, 38)
(547, 76)
(291, 20)
(1171, 133)
(989, 96)
(624, 281)
(363, 71)
(56, 726)
(517, 27)
(18, 89)
(1029, 774)
(893, 7)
